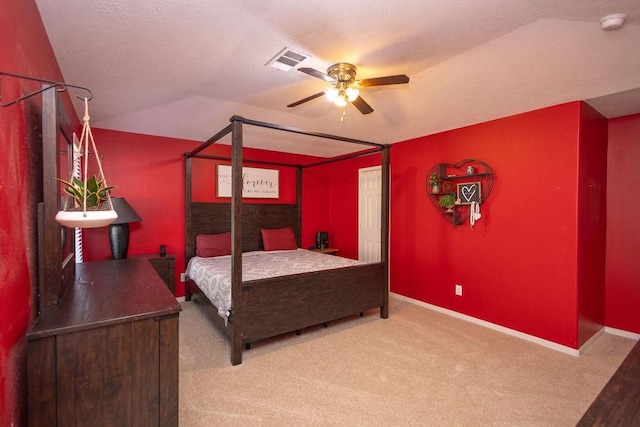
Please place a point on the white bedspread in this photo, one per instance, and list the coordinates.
(213, 275)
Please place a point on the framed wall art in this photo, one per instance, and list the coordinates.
(469, 192)
(257, 183)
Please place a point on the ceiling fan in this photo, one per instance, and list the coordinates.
(345, 86)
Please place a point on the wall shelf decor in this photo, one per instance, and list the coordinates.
(469, 181)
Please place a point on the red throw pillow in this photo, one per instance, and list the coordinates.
(278, 239)
(210, 245)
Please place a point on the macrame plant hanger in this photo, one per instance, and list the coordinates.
(83, 217)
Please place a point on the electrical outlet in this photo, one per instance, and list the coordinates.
(183, 277)
(459, 290)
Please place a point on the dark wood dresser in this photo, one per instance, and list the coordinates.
(108, 353)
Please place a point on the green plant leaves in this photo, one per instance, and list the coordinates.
(447, 201)
(96, 192)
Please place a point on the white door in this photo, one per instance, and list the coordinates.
(369, 206)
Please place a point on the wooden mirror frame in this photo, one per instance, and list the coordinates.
(57, 264)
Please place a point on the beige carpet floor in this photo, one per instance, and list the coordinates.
(416, 368)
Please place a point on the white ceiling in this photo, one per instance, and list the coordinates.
(182, 68)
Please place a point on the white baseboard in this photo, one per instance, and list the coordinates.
(545, 343)
(591, 340)
(622, 333)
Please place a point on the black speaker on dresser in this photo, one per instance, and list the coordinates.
(322, 240)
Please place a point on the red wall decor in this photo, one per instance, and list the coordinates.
(622, 278)
(468, 183)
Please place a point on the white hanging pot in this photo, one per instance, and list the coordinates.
(88, 219)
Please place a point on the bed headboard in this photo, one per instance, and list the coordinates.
(210, 218)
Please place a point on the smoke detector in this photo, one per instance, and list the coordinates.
(613, 21)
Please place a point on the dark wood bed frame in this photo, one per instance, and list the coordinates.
(270, 307)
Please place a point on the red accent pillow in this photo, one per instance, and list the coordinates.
(278, 239)
(210, 245)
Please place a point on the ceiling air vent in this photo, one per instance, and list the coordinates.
(287, 59)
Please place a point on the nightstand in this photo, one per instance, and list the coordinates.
(329, 251)
(164, 266)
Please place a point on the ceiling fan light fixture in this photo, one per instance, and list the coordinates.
(340, 96)
(340, 101)
(352, 94)
(345, 88)
(332, 94)
(342, 72)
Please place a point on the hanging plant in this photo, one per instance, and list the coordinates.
(93, 207)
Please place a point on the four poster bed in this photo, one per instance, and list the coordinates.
(257, 304)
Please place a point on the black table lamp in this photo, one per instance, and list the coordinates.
(119, 229)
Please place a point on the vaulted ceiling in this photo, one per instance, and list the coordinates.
(182, 68)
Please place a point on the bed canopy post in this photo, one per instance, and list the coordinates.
(236, 238)
(187, 209)
(299, 204)
(384, 220)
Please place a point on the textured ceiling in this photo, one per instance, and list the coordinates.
(182, 68)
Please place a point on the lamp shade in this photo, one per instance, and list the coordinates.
(125, 212)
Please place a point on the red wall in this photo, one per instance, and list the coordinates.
(592, 222)
(148, 172)
(330, 203)
(622, 278)
(315, 204)
(25, 50)
(518, 265)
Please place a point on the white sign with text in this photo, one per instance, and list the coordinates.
(256, 182)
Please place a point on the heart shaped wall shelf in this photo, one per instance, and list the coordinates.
(461, 183)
